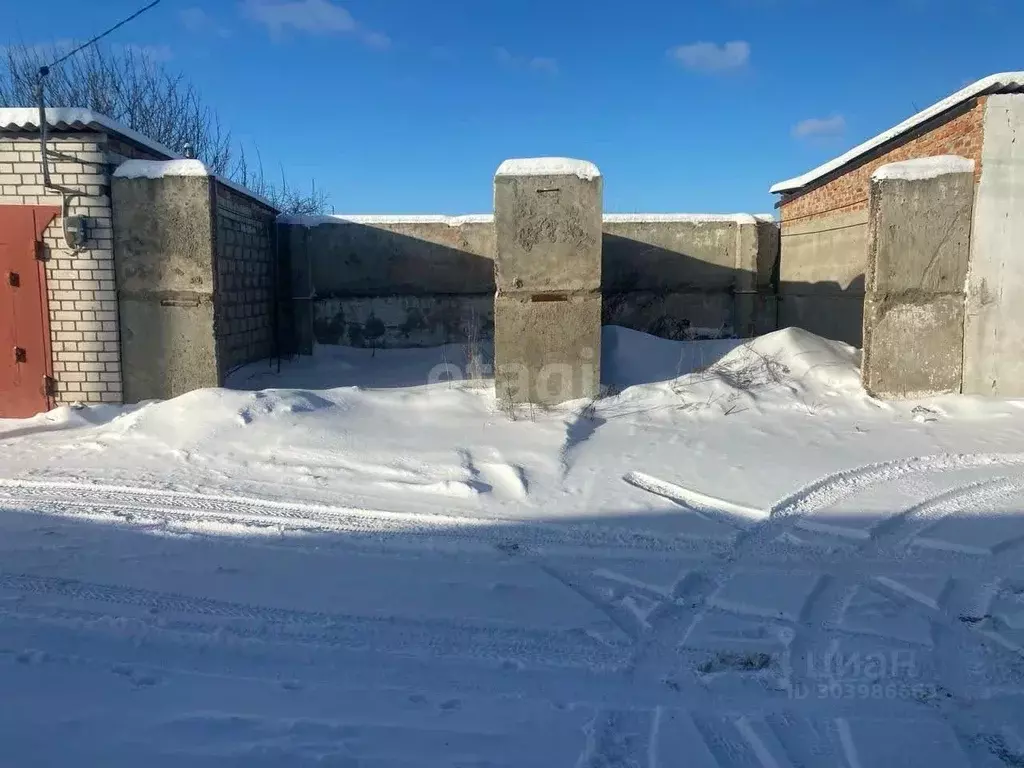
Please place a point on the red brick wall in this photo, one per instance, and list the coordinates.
(959, 135)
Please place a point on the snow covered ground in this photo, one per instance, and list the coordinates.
(737, 558)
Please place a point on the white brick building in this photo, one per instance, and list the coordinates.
(62, 318)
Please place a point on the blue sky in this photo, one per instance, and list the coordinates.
(408, 106)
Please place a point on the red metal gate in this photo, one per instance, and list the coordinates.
(25, 360)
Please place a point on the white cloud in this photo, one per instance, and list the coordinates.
(314, 17)
(320, 17)
(151, 52)
(712, 57)
(199, 22)
(504, 57)
(820, 127)
(377, 40)
(194, 19)
(544, 64)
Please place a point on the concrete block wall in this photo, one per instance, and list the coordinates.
(404, 281)
(81, 288)
(246, 277)
(824, 230)
(690, 276)
(395, 281)
(919, 232)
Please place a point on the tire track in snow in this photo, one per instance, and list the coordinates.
(897, 533)
(843, 484)
(656, 650)
(197, 512)
(247, 621)
(759, 525)
(786, 513)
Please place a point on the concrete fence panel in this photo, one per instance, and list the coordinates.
(407, 281)
(821, 275)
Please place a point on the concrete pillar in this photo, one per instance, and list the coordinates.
(919, 229)
(993, 356)
(164, 261)
(547, 269)
(755, 309)
(297, 308)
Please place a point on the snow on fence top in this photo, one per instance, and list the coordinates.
(1005, 80)
(924, 168)
(382, 219)
(158, 169)
(488, 218)
(549, 166)
(161, 169)
(685, 218)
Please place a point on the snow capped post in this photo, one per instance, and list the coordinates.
(547, 268)
(919, 231)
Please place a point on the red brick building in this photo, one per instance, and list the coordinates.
(824, 211)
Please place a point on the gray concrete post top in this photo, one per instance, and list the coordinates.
(547, 218)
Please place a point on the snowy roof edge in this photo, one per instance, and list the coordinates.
(1002, 79)
(27, 118)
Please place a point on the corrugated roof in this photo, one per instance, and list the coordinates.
(76, 119)
(1004, 82)
(80, 119)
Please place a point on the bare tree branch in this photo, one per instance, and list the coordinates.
(129, 86)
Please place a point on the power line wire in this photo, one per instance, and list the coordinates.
(98, 37)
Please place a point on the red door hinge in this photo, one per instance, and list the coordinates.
(19, 354)
(49, 386)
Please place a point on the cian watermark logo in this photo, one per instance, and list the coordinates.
(879, 675)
